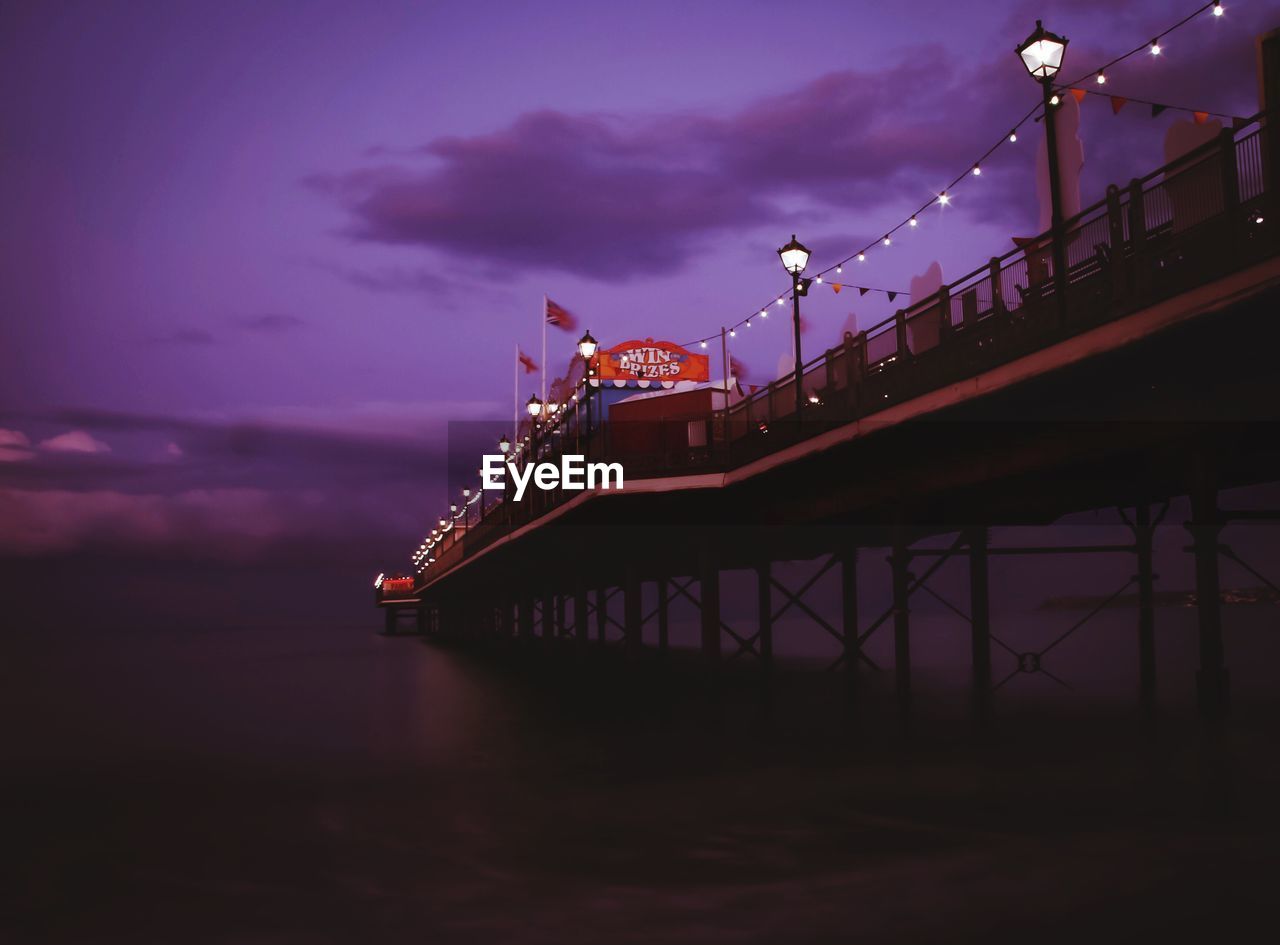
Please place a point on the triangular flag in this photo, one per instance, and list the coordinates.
(1157, 109)
(863, 290)
(836, 287)
(1117, 103)
(1201, 117)
(1079, 94)
(892, 296)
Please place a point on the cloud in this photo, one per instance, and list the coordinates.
(74, 441)
(618, 196)
(270, 322)
(14, 446)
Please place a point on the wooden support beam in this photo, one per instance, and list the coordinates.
(849, 609)
(664, 626)
(602, 614)
(1211, 679)
(709, 594)
(764, 610)
(1144, 534)
(899, 561)
(526, 615)
(580, 612)
(979, 625)
(631, 609)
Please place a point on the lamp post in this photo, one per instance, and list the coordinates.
(1042, 53)
(795, 256)
(587, 348)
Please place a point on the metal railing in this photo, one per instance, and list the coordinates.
(1197, 218)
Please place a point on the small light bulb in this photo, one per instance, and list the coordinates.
(779, 300)
(977, 170)
(887, 241)
(1217, 9)
(702, 344)
(764, 313)
(1102, 79)
(818, 279)
(862, 257)
(943, 198)
(733, 333)
(914, 222)
(839, 269)
(1155, 47)
(1013, 136)
(1054, 100)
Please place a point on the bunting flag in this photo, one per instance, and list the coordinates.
(836, 287)
(1201, 117)
(1079, 94)
(560, 317)
(527, 362)
(892, 295)
(1117, 102)
(1157, 109)
(863, 290)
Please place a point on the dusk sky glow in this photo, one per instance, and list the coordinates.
(255, 254)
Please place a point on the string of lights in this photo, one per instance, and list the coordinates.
(974, 169)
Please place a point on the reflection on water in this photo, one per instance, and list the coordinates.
(311, 782)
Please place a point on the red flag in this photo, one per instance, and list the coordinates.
(527, 362)
(1117, 103)
(1201, 117)
(560, 317)
(1079, 94)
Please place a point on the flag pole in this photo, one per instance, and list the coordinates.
(515, 399)
(544, 347)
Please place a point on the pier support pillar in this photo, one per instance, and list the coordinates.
(1211, 679)
(849, 611)
(421, 615)
(979, 625)
(631, 616)
(389, 620)
(526, 615)
(602, 615)
(548, 616)
(709, 588)
(764, 613)
(1143, 539)
(580, 612)
(899, 562)
(664, 625)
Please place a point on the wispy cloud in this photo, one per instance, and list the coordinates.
(74, 441)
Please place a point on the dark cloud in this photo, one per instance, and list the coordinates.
(613, 197)
(270, 323)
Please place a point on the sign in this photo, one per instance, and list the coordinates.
(396, 586)
(649, 360)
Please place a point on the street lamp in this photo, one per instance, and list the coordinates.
(534, 406)
(1042, 53)
(587, 346)
(795, 256)
(504, 445)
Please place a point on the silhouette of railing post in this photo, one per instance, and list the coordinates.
(997, 293)
(1230, 189)
(1137, 239)
(1115, 239)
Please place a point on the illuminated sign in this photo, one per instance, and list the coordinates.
(397, 585)
(650, 360)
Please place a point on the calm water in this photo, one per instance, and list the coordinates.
(301, 779)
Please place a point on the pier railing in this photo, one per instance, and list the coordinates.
(1198, 218)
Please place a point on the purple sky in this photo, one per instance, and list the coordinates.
(255, 253)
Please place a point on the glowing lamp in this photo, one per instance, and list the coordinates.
(1042, 53)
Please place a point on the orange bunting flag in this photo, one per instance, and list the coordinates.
(1201, 117)
(1117, 103)
(1079, 94)
(836, 287)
